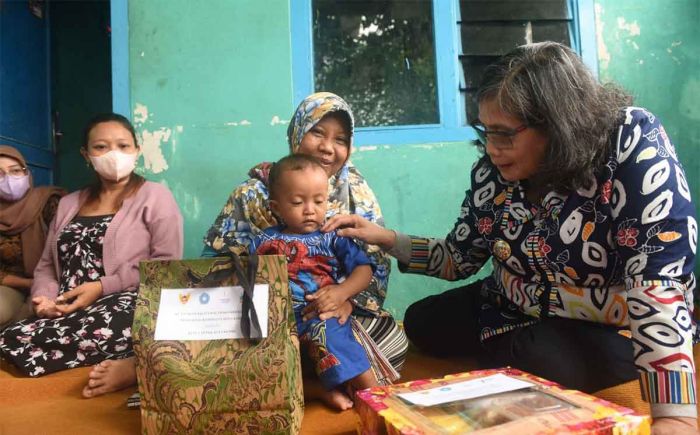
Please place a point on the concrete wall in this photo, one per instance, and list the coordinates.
(652, 48)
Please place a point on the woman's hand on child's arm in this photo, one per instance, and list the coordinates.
(342, 313)
(82, 297)
(356, 227)
(44, 307)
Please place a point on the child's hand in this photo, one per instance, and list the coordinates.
(328, 298)
(342, 313)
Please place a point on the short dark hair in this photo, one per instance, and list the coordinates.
(108, 117)
(548, 86)
(292, 162)
(135, 180)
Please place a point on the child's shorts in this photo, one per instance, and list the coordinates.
(336, 354)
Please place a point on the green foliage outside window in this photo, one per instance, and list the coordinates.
(380, 57)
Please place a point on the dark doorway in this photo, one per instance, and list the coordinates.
(81, 71)
(55, 73)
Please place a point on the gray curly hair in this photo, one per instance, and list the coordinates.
(547, 86)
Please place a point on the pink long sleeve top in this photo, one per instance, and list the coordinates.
(147, 226)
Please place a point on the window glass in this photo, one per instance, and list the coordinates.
(380, 57)
(489, 29)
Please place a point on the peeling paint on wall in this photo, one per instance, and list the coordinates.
(632, 28)
(669, 50)
(151, 140)
(603, 53)
(276, 120)
(243, 123)
(154, 160)
(188, 201)
(140, 114)
(173, 142)
(429, 146)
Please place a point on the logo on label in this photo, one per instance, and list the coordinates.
(204, 298)
(184, 298)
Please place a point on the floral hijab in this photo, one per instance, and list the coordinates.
(311, 111)
(247, 212)
(348, 192)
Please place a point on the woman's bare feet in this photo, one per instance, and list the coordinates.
(336, 399)
(109, 376)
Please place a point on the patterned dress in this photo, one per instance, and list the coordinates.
(619, 253)
(314, 261)
(84, 337)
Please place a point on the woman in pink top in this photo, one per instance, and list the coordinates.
(86, 282)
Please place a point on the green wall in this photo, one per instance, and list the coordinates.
(207, 79)
(652, 48)
(207, 86)
(420, 189)
(211, 92)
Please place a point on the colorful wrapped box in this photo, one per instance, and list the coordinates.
(532, 406)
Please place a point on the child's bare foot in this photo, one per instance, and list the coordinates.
(336, 399)
(109, 376)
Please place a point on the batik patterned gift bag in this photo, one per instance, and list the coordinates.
(218, 386)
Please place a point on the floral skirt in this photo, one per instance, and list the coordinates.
(86, 337)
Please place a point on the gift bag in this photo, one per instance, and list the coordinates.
(227, 386)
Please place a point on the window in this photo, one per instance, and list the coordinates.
(409, 68)
(490, 29)
(380, 56)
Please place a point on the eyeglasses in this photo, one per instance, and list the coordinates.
(15, 171)
(500, 139)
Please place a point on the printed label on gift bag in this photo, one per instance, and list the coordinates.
(207, 313)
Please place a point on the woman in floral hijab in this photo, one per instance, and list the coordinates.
(247, 213)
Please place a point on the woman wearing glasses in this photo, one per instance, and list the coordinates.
(25, 213)
(582, 205)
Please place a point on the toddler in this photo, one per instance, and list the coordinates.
(317, 264)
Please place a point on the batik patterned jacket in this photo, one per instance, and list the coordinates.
(620, 253)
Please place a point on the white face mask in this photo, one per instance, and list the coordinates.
(114, 165)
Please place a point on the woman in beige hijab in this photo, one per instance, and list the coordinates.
(25, 212)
